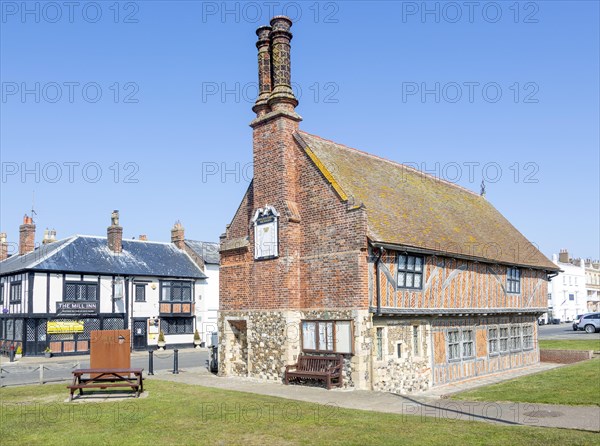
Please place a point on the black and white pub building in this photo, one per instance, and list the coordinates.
(54, 295)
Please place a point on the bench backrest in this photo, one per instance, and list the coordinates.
(317, 363)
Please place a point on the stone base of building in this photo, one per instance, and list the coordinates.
(398, 354)
(259, 344)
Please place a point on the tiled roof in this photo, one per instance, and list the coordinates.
(89, 254)
(208, 251)
(408, 208)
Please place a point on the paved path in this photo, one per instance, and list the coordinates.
(429, 405)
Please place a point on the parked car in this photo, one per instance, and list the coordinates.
(576, 322)
(589, 322)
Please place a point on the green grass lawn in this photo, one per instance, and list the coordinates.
(578, 344)
(575, 384)
(180, 414)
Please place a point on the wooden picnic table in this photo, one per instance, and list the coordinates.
(105, 378)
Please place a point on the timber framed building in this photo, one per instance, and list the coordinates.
(416, 281)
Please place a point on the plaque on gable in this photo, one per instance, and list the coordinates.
(266, 237)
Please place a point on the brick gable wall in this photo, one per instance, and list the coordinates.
(322, 257)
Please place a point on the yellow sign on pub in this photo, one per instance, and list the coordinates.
(57, 327)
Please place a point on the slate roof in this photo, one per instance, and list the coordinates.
(408, 208)
(90, 254)
(208, 251)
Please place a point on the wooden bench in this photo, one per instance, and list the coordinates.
(105, 378)
(322, 368)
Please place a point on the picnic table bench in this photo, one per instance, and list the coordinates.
(323, 368)
(105, 378)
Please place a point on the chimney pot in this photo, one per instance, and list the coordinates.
(282, 97)
(143, 237)
(265, 84)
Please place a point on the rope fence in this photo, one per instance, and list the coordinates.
(23, 370)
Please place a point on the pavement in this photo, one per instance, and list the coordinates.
(431, 404)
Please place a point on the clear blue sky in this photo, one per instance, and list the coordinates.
(168, 139)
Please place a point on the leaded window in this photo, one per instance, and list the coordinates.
(493, 341)
(513, 280)
(177, 325)
(503, 339)
(176, 291)
(410, 271)
(140, 292)
(15, 292)
(379, 343)
(81, 291)
(453, 344)
(527, 336)
(468, 350)
(515, 337)
(416, 344)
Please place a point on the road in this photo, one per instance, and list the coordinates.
(27, 370)
(564, 332)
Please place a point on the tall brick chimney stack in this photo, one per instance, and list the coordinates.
(26, 236)
(3, 247)
(178, 235)
(277, 121)
(563, 256)
(282, 97)
(275, 160)
(261, 106)
(115, 234)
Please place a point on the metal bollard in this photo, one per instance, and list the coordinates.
(175, 362)
(11, 354)
(150, 362)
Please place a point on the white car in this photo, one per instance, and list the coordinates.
(589, 322)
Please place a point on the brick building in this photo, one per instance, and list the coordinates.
(416, 281)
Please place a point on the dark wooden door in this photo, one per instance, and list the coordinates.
(140, 341)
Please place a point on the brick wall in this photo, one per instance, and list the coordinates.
(322, 244)
(565, 356)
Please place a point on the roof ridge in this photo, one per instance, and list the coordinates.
(395, 163)
(124, 239)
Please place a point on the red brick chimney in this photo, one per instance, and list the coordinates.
(261, 106)
(115, 234)
(26, 236)
(3, 247)
(178, 235)
(275, 157)
(143, 237)
(282, 97)
(276, 122)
